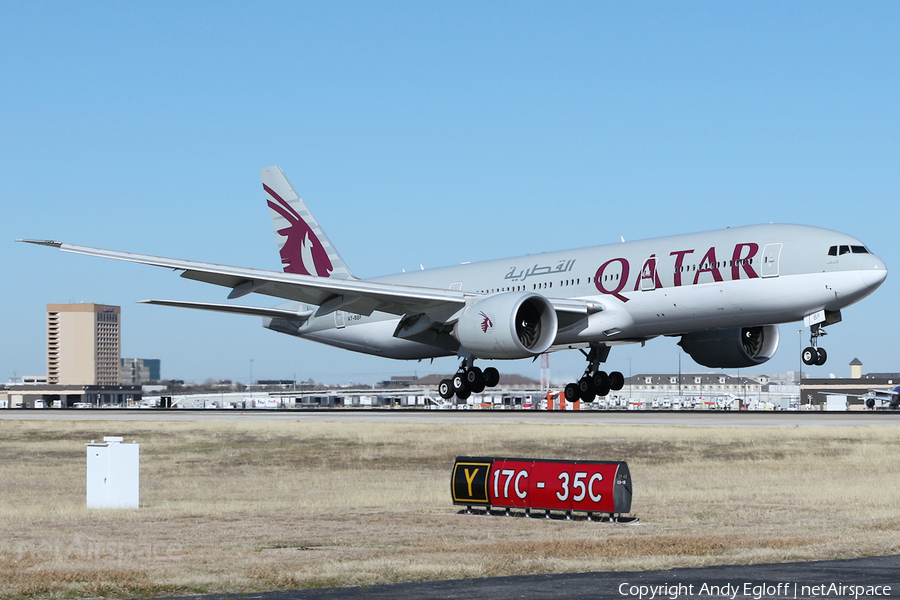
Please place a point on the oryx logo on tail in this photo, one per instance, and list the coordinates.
(302, 252)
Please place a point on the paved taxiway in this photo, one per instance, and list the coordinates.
(654, 418)
(875, 577)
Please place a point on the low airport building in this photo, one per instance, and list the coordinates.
(71, 396)
(648, 387)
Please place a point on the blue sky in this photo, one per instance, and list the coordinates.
(432, 133)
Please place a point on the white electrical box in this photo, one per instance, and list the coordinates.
(113, 474)
(835, 402)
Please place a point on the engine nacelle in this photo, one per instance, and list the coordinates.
(732, 348)
(507, 325)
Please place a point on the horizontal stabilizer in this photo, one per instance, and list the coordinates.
(275, 313)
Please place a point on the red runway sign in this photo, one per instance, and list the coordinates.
(580, 485)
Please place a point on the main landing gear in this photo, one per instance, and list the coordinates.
(468, 380)
(594, 382)
(813, 355)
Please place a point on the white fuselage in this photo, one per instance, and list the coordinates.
(739, 277)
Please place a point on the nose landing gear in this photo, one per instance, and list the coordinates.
(813, 355)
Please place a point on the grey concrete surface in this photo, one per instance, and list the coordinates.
(654, 418)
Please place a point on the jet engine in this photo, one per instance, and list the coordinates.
(732, 348)
(507, 325)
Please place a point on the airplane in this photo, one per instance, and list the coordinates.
(723, 292)
(882, 398)
(875, 398)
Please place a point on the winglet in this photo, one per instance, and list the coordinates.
(304, 247)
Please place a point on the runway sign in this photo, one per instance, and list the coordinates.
(567, 485)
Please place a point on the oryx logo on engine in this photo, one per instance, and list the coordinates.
(486, 323)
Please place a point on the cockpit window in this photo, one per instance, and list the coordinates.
(835, 250)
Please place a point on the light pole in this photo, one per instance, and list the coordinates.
(679, 374)
(630, 392)
(800, 380)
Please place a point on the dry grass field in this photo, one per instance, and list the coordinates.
(244, 506)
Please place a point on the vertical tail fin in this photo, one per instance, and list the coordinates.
(304, 247)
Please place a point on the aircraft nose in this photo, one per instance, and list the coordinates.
(875, 275)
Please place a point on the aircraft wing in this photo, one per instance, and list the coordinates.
(352, 295)
(876, 394)
(362, 297)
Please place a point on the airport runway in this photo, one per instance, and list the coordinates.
(652, 418)
(870, 578)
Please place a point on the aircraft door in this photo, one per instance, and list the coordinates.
(771, 259)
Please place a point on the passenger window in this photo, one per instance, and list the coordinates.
(832, 251)
(845, 250)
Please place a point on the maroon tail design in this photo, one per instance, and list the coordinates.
(299, 236)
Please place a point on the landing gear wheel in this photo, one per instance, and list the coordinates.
(474, 380)
(822, 356)
(445, 389)
(616, 381)
(810, 356)
(463, 394)
(459, 382)
(571, 392)
(586, 389)
(491, 377)
(601, 383)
